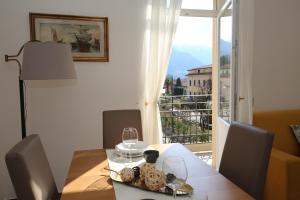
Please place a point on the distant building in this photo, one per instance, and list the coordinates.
(224, 99)
(224, 75)
(199, 80)
(185, 83)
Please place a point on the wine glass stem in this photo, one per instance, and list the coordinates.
(174, 193)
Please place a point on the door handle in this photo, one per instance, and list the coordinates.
(241, 98)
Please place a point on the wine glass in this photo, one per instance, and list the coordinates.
(130, 137)
(175, 169)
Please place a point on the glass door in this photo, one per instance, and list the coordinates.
(227, 58)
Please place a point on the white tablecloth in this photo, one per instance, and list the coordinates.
(195, 176)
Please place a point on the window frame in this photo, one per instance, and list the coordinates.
(234, 57)
(201, 13)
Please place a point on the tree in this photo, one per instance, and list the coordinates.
(178, 82)
(178, 89)
(169, 84)
(224, 60)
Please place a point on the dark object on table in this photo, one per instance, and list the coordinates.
(136, 171)
(151, 156)
(170, 178)
(147, 199)
(168, 190)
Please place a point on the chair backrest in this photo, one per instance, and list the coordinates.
(246, 156)
(29, 170)
(114, 121)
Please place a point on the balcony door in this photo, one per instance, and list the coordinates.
(226, 60)
(234, 58)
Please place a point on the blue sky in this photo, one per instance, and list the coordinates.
(198, 30)
(194, 31)
(192, 45)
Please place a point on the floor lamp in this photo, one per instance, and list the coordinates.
(42, 61)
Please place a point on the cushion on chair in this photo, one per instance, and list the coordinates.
(246, 156)
(30, 171)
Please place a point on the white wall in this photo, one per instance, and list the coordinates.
(276, 55)
(68, 114)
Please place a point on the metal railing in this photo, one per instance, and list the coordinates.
(186, 119)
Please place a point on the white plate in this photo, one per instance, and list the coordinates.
(136, 149)
(128, 155)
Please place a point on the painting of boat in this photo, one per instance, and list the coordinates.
(88, 37)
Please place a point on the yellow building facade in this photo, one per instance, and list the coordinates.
(199, 80)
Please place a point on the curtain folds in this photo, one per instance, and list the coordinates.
(162, 18)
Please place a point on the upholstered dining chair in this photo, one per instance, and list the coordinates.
(114, 121)
(246, 156)
(30, 172)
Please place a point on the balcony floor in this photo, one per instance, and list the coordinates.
(205, 156)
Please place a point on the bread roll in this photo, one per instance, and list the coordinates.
(127, 174)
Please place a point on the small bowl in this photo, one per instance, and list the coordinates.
(151, 156)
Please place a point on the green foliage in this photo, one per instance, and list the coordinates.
(168, 84)
(179, 121)
(185, 131)
(178, 91)
(178, 82)
(224, 60)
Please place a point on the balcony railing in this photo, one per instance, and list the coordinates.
(186, 119)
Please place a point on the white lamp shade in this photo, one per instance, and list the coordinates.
(47, 60)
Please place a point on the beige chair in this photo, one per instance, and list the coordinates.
(113, 123)
(30, 172)
(246, 156)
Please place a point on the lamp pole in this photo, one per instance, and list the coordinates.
(22, 108)
(21, 91)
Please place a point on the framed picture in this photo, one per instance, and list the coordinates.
(88, 36)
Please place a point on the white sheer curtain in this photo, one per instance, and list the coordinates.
(245, 60)
(162, 18)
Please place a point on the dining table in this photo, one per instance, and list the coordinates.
(89, 179)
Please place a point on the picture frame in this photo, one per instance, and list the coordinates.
(88, 36)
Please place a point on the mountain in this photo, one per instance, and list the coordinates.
(185, 57)
(225, 48)
(180, 62)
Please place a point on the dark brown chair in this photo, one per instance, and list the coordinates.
(30, 172)
(246, 156)
(114, 121)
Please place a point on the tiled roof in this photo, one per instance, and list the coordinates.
(203, 73)
(202, 67)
